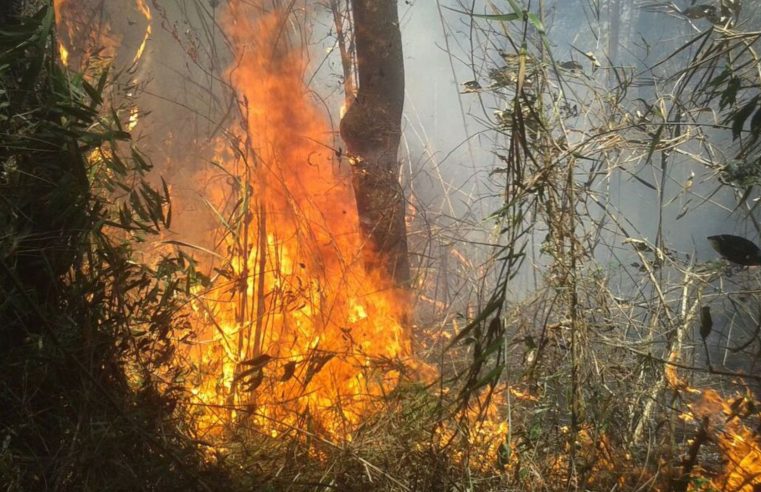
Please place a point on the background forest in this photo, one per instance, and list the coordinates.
(195, 292)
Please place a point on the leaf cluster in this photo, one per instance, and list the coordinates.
(87, 329)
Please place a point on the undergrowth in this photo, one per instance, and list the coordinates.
(86, 328)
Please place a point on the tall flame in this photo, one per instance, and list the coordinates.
(63, 52)
(302, 328)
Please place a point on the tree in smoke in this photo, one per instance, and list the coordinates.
(371, 129)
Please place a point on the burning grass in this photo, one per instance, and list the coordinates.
(295, 329)
(733, 459)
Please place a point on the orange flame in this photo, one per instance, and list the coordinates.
(302, 329)
(89, 35)
(740, 446)
(64, 29)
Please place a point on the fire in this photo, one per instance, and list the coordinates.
(89, 35)
(133, 119)
(740, 446)
(143, 9)
(294, 330)
(300, 332)
(65, 29)
(64, 54)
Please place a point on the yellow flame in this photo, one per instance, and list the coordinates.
(58, 6)
(146, 11)
(134, 118)
(64, 54)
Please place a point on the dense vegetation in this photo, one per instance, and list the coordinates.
(85, 327)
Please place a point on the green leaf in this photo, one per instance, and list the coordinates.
(491, 307)
(257, 362)
(499, 17)
(536, 22)
(516, 8)
(494, 17)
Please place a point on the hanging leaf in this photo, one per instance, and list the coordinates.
(481, 355)
(494, 17)
(755, 124)
(729, 95)
(534, 20)
(516, 7)
(738, 120)
(491, 378)
(257, 362)
(247, 376)
(498, 17)
(254, 382)
(495, 327)
(706, 323)
(168, 202)
(316, 363)
(289, 369)
(491, 307)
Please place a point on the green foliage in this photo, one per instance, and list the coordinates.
(86, 328)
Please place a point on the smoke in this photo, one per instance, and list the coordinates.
(180, 85)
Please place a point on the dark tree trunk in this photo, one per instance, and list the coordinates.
(371, 129)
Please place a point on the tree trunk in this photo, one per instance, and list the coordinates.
(371, 129)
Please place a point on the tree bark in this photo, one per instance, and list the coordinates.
(371, 129)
